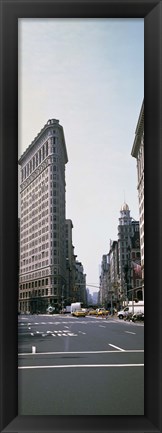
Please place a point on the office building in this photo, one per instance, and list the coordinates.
(104, 280)
(42, 274)
(126, 229)
(138, 153)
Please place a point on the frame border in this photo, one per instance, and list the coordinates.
(10, 11)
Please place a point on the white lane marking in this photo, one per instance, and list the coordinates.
(30, 367)
(128, 332)
(101, 326)
(64, 330)
(115, 347)
(64, 333)
(73, 322)
(71, 334)
(91, 351)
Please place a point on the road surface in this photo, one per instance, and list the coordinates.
(80, 366)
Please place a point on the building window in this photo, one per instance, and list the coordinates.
(36, 159)
(39, 156)
(47, 149)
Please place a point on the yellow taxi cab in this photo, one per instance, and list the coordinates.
(79, 313)
(102, 312)
(92, 312)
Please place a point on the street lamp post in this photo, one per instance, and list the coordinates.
(111, 293)
(132, 290)
(112, 303)
(132, 303)
(62, 303)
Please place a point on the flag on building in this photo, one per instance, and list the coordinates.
(137, 268)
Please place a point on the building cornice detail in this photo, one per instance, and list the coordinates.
(138, 133)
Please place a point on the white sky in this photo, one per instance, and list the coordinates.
(89, 74)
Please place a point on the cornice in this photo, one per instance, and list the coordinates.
(138, 133)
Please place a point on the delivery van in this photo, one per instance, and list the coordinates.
(129, 308)
(75, 306)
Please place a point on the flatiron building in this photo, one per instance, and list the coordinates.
(42, 267)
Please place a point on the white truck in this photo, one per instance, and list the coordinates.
(68, 309)
(131, 308)
(75, 306)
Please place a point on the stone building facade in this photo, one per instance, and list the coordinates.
(126, 229)
(42, 273)
(138, 153)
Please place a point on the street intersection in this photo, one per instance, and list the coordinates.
(80, 366)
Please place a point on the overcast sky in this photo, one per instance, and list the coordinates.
(89, 74)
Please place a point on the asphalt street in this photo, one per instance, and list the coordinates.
(80, 366)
